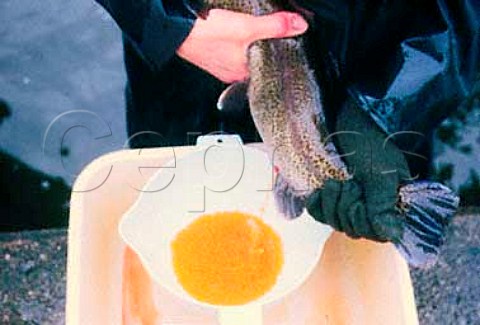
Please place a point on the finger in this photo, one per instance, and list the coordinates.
(321, 206)
(229, 77)
(225, 75)
(233, 76)
(237, 70)
(314, 206)
(326, 203)
(277, 25)
(360, 224)
(346, 226)
(350, 209)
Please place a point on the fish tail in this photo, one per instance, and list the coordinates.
(289, 201)
(428, 208)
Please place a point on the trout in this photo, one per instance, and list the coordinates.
(286, 106)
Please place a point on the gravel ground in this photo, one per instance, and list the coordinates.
(32, 275)
(449, 293)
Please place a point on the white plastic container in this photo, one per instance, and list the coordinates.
(354, 281)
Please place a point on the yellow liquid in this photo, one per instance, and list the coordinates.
(227, 258)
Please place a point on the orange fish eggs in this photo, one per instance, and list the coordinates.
(227, 258)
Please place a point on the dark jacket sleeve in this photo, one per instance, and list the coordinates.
(156, 28)
(433, 69)
(409, 64)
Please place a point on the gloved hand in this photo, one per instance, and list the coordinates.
(381, 202)
(364, 206)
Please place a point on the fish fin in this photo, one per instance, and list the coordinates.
(233, 98)
(198, 8)
(289, 201)
(428, 208)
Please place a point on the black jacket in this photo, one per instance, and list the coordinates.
(408, 63)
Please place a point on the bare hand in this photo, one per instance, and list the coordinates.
(219, 43)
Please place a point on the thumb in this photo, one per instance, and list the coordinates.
(277, 25)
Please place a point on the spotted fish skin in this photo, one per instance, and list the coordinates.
(286, 107)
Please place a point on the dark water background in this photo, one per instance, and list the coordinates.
(61, 105)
